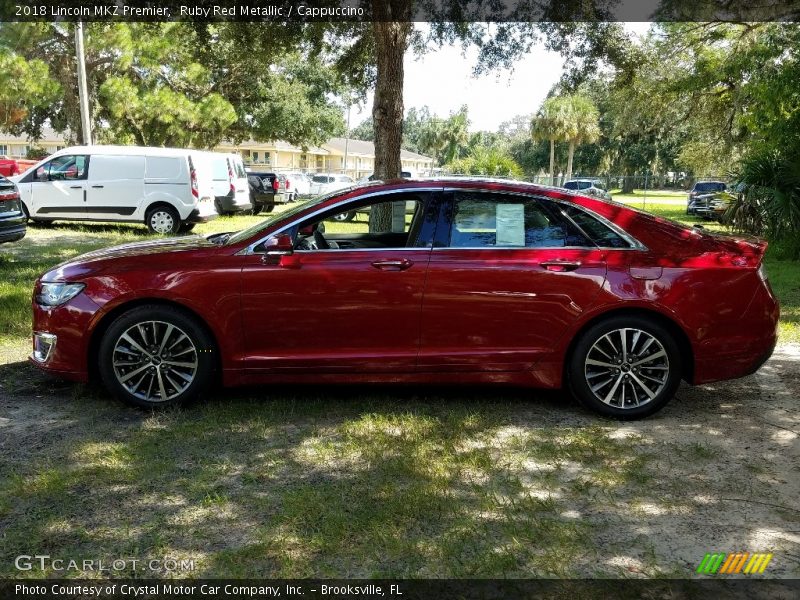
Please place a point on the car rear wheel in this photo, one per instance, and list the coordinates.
(154, 356)
(164, 220)
(625, 367)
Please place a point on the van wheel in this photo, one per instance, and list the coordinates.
(187, 227)
(625, 367)
(156, 356)
(163, 220)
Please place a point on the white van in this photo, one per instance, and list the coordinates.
(231, 187)
(159, 187)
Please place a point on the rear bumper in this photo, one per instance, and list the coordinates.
(11, 232)
(196, 217)
(229, 204)
(740, 348)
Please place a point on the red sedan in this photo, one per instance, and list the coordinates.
(439, 281)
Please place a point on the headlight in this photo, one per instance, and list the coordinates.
(55, 294)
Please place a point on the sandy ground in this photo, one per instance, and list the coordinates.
(724, 473)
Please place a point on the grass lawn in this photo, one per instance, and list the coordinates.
(366, 481)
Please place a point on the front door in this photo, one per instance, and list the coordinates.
(58, 188)
(508, 277)
(348, 299)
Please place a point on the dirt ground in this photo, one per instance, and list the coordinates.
(722, 468)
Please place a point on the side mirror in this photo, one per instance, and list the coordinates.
(280, 245)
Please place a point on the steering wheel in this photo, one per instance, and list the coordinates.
(320, 240)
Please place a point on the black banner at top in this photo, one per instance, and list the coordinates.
(400, 10)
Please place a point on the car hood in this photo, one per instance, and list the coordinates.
(96, 260)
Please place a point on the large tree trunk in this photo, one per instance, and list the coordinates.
(552, 162)
(628, 183)
(569, 160)
(391, 41)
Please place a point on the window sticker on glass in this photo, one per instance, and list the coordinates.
(510, 224)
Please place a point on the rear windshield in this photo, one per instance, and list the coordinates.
(321, 179)
(240, 174)
(709, 186)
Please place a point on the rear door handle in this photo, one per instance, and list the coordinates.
(97, 187)
(561, 266)
(76, 187)
(393, 265)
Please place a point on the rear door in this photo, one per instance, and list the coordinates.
(508, 276)
(116, 186)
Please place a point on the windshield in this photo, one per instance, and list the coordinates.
(710, 186)
(245, 234)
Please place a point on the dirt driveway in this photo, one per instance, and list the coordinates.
(404, 482)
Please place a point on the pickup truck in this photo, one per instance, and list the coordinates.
(8, 166)
(266, 190)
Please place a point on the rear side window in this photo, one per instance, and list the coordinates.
(321, 179)
(601, 234)
(482, 220)
(571, 185)
(162, 167)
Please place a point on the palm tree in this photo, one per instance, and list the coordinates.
(581, 126)
(455, 134)
(549, 124)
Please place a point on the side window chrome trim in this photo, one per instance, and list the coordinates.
(635, 244)
(250, 248)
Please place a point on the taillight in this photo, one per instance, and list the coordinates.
(276, 185)
(9, 196)
(286, 184)
(230, 179)
(193, 180)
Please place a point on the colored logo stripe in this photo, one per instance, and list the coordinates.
(731, 564)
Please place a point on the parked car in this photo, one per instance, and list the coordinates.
(701, 195)
(278, 185)
(371, 176)
(12, 219)
(489, 282)
(160, 187)
(262, 191)
(8, 166)
(325, 184)
(590, 187)
(297, 185)
(231, 186)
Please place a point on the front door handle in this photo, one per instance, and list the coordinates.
(393, 265)
(561, 266)
(97, 187)
(76, 187)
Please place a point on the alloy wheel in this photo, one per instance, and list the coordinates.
(627, 368)
(155, 361)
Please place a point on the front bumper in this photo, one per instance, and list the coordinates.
(61, 338)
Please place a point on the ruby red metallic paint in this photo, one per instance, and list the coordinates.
(456, 315)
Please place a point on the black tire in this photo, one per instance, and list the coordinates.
(345, 216)
(661, 375)
(156, 319)
(269, 207)
(163, 220)
(187, 227)
(256, 206)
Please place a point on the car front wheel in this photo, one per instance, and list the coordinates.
(625, 367)
(155, 356)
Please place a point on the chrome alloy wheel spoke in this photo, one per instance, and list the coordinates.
(155, 361)
(633, 374)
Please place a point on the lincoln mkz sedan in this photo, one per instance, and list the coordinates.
(482, 282)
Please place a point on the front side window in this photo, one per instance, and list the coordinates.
(64, 168)
(482, 220)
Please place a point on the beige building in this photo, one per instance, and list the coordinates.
(279, 156)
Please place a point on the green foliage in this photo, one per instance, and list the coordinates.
(24, 85)
(770, 200)
(491, 162)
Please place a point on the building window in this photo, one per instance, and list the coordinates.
(303, 161)
(255, 157)
(3, 150)
(267, 158)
